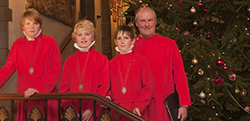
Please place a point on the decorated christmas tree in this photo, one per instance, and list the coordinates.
(213, 38)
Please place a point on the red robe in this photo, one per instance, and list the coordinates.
(167, 68)
(95, 78)
(138, 86)
(47, 71)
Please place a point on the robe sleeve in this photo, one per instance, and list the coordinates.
(103, 81)
(147, 88)
(180, 78)
(52, 75)
(8, 69)
(64, 83)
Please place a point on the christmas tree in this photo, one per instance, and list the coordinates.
(213, 38)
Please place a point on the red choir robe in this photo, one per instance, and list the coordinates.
(138, 85)
(167, 68)
(47, 71)
(95, 78)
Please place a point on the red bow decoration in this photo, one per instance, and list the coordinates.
(218, 80)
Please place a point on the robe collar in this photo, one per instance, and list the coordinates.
(32, 38)
(84, 49)
(129, 50)
(148, 38)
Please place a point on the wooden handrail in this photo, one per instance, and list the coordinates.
(65, 42)
(85, 96)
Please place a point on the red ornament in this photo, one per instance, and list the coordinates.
(186, 33)
(219, 62)
(232, 77)
(205, 10)
(209, 36)
(200, 4)
(225, 67)
(177, 28)
(243, 93)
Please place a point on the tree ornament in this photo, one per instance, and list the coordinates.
(208, 36)
(177, 28)
(219, 62)
(194, 61)
(140, 1)
(202, 95)
(131, 24)
(243, 93)
(192, 10)
(186, 33)
(237, 90)
(248, 9)
(125, 13)
(195, 23)
(200, 4)
(170, 5)
(218, 81)
(200, 72)
(232, 77)
(225, 67)
(203, 101)
(247, 108)
(205, 10)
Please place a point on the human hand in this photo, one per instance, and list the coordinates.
(104, 106)
(86, 115)
(29, 92)
(137, 111)
(182, 114)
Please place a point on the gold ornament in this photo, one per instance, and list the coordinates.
(247, 109)
(203, 101)
(248, 9)
(200, 72)
(237, 90)
(194, 61)
(195, 23)
(192, 10)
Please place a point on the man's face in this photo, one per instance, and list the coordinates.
(146, 22)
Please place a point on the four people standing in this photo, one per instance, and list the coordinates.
(36, 58)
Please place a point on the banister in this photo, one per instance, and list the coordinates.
(86, 96)
(65, 42)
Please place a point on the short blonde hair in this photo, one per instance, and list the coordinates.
(84, 24)
(31, 14)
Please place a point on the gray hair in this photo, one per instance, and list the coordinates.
(136, 15)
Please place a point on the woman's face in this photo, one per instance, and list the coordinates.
(31, 27)
(84, 37)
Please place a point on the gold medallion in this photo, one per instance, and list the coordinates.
(80, 87)
(124, 90)
(31, 70)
